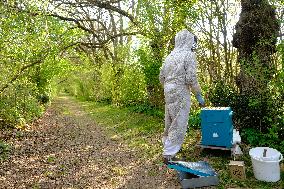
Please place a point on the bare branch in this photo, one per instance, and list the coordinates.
(108, 6)
(20, 73)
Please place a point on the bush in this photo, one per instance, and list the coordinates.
(120, 84)
(258, 117)
(123, 84)
(19, 105)
(194, 119)
(4, 150)
(147, 109)
(151, 69)
(132, 86)
(106, 86)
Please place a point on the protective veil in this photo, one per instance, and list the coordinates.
(178, 76)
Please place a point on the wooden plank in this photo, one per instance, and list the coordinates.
(214, 147)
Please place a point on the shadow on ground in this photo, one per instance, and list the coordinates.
(67, 149)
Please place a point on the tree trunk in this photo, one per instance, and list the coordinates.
(255, 37)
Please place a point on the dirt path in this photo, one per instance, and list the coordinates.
(68, 150)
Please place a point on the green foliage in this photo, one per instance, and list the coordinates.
(132, 85)
(147, 109)
(135, 128)
(272, 138)
(20, 104)
(221, 94)
(151, 69)
(30, 45)
(107, 82)
(162, 19)
(260, 118)
(150, 66)
(121, 84)
(194, 119)
(85, 88)
(4, 150)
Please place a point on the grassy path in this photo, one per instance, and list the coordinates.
(90, 145)
(68, 149)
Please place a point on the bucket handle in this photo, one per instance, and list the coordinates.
(280, 159)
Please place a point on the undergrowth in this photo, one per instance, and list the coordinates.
(143, 130)
(4, 150)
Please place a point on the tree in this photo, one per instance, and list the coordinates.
(259, 102)
(214, 28)
(159, 22)
(256, 38)
(33, 49)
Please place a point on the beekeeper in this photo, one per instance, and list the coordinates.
(178, 77)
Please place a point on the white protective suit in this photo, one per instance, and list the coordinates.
(178, 77)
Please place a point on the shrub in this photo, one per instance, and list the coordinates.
(19, 104)
(132, 85)
(4, 150)
(258, 117)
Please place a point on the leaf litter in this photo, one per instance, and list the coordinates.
(63, 150)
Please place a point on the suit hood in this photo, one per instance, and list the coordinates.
(184, 40)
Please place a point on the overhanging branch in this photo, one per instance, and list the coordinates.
(40, 60)
(108, 6)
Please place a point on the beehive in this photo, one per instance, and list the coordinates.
(217, 127)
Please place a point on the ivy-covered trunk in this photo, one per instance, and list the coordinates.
(255, 38)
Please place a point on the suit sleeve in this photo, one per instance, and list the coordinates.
(162, 75)
(191, 75)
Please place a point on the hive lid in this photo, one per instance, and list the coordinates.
(200, 168)
(216, 108)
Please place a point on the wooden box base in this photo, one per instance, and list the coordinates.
(188, 180)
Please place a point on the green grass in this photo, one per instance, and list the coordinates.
(5, 149)
(142, 132)
(65, 111)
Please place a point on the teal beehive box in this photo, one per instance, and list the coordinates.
(217, 127)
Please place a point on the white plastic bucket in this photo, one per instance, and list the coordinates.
(266, 168)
